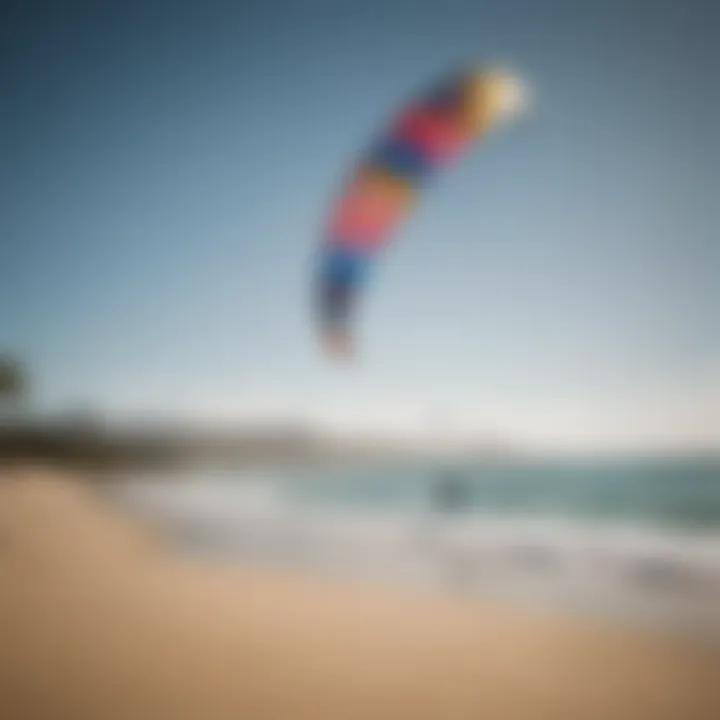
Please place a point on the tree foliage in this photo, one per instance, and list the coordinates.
(13, 379)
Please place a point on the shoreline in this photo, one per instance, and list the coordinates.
(659, 576)
(99, 617)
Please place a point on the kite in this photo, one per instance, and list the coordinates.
(428, 134)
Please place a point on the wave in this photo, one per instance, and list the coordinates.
(637, 570)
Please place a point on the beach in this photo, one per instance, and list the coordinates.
(101, 617)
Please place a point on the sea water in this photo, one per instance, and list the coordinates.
(638, 539)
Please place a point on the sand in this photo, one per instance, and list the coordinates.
(100, 619)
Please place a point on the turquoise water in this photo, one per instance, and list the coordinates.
(681, 492)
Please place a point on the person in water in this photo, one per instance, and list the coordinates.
(449, 496)
(449, 492)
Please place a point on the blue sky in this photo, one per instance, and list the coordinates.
(167, 166)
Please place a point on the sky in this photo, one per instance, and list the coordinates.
(167, 167)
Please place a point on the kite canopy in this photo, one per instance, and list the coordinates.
(427, 135)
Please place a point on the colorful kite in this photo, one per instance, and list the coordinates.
(425, 137)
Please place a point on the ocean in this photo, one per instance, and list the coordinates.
(637, 540)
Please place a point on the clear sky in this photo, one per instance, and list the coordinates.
(166, 167)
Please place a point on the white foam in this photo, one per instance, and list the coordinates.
(640, 572)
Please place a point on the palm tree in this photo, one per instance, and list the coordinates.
(13, 381)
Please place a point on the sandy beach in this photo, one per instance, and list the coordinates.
(100, 619)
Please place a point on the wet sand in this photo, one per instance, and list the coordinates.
(100, 619)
